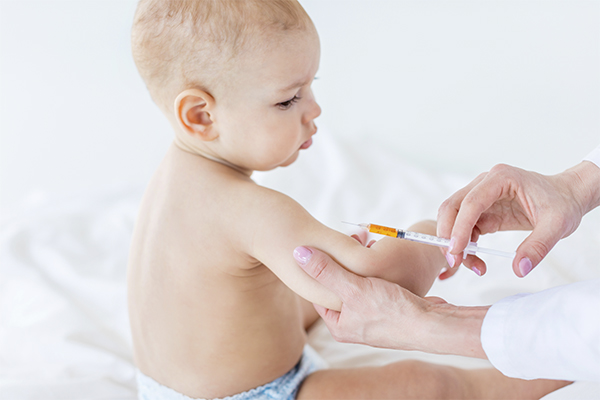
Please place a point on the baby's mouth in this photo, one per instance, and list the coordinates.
(306, 144)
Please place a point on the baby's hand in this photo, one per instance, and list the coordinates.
(361, 237)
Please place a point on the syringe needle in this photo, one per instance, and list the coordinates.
(362, 226)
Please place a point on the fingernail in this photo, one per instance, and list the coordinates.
(451, 245)
(302, 254)
(476, 271)
(450, 259)
(525, 266)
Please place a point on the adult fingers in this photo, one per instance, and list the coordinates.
(326, 271)
(453, 264)
(435, 300)
(481, 197)
(448, 210)
(330, 317)
(475, 264)
(448, 273)
(535, 247)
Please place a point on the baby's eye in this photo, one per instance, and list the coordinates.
(284, 105)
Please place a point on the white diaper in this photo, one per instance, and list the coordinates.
(283, 388)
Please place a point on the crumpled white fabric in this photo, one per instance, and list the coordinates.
(64, 332)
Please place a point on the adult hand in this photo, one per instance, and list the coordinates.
(382, 314)
(509, 198)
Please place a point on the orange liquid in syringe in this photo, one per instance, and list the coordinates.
(383, 230)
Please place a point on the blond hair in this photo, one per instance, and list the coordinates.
(180, 44)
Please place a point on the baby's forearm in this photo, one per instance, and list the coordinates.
(427, 226)
(430, 260)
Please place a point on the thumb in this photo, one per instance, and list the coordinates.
(326, 271)
(535, 247)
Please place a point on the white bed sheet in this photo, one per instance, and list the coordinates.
(63, 313)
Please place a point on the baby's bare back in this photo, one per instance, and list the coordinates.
(207, 320)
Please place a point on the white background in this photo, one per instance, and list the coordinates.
(448, 85)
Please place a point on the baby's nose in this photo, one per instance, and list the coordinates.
(317, 110)
(313, 113)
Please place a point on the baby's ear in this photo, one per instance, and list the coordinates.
(193, 109)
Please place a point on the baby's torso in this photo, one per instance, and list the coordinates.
(207, 320)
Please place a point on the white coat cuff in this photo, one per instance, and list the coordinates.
(495, 331)
(594, 156)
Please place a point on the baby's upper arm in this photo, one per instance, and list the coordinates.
(279, 225)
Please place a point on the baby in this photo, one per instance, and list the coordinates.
(217, 304)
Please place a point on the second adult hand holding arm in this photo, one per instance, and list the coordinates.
(382, 314)
(509, 198)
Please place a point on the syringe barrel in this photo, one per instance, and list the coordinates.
(434, 240)
(383, 230)
(428, 239)
(472, 247)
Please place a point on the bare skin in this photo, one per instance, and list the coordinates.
(420, 380)
(215, 300)
(382, 314)
(248, 327)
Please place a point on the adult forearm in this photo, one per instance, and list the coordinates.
(449, 329)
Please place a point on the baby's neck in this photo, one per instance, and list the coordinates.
(189, 148)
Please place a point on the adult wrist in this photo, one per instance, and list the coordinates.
(586, 185)
(454, 330)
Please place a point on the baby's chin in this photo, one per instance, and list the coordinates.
(284, 164)
(291, 160)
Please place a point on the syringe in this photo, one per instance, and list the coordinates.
(472, 248)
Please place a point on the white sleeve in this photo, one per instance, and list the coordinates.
(553, 334)
(594, 156)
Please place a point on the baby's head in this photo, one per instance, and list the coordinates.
(232, 76)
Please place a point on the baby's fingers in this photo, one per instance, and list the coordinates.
(360, 237)
(355, 236)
